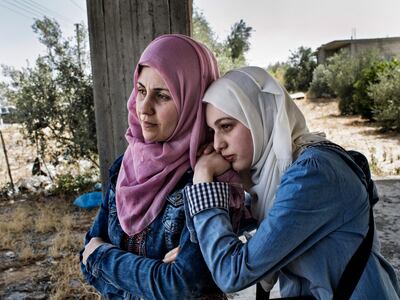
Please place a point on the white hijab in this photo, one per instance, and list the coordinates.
(277, 126)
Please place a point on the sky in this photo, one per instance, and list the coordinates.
(281, 26)
(278, 26)
(18, 43)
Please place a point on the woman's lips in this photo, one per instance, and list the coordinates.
(229, 158)
(148, 125)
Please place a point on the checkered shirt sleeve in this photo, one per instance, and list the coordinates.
(207, 195)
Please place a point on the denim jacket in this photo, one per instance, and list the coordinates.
(119, 274)
(319, 218)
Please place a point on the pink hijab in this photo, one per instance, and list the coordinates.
(150, 171)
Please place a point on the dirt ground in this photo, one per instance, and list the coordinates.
(40, 236)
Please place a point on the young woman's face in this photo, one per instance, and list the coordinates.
(155, 108)
(231, 138)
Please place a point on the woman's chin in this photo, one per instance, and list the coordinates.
(149, 139)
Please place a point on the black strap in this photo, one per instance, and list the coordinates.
(355, 267)
(260, 293)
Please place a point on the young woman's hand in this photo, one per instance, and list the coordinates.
(170, 257)
(205, 149)
(90, 247)
(209, 164)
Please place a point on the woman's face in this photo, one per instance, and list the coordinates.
(155, 107)
(231, 138)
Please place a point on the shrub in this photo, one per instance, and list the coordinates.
(344, 71)
(319, 86)
(54, 97)
(67, 183)
(386, 95)
(298, 75)
(278, 71)
(363, 102)
(340, 78)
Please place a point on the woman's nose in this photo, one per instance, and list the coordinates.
(219, 143)
(145, 106)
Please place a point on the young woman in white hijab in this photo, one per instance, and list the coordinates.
(309, 196)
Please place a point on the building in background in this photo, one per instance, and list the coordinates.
(388, 47)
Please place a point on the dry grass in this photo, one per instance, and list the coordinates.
(6, 238)
(65, 242)
(19, 220)
(45, 234)
(26, 253)
(68, 283)
(47, 220)
(67, 222)
(11, 225)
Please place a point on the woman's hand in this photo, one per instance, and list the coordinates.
(170, 257)
(93, 244)
(209, 164)
(205, 149)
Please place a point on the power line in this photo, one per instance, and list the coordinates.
(42, 7)
(18, 7)
(77, 5)
(17, 12)
(32, 10)
(35, 14)
(31, 7)
(50, 13)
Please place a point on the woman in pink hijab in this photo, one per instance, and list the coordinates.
(142, 216)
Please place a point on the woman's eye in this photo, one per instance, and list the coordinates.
(226, 127)
(164, 97)
(142, 91)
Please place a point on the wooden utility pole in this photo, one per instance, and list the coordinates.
(119, 31)
(78, 44)
(7, 162)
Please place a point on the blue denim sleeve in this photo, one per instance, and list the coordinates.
(307, 207)
(100, 225)
(100, 229)
(108, 290)
(189, 222)
(149, 278)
